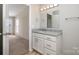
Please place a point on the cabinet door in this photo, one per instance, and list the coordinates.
(40, 45)
(50, 45)
(35, 43)
(49, 52)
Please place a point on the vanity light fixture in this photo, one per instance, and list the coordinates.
(48, 7)
(55, 5)
(44, 8)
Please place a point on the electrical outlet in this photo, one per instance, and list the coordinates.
(77, 52)
(68, 52)
(75, 49)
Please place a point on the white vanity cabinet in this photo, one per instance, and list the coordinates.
(37, 43)
(46, 44)
(52, 45)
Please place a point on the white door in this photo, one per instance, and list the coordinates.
(5, 39)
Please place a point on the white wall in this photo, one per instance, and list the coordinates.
(43, 22)
(70, 27)
(23, 27)
(35, 16)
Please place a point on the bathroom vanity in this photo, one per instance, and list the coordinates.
(47, 42)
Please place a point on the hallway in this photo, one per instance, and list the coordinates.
(16, 25)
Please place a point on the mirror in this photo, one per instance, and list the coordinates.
(55, 19)
(49, 16)
(50, 19)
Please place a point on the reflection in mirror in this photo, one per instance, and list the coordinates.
(49, 21)
(55, 19)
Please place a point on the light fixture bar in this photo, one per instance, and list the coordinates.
(48, 7)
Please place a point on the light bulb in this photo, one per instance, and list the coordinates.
(55, 4)
(41, 9)
(48, 7)
(44, 8)
(51, 5)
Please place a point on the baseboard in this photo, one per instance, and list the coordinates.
(30, 50)
(68, 52)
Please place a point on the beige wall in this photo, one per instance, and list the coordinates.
(23, 27)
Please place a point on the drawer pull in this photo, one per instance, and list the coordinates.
(48, 38)
(49, 45)
(51, 39)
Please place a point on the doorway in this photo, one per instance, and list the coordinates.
(17, 30)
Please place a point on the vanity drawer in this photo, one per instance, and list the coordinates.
(50, 45)
(46, 37)
(41, 35)
(49, 52)
(38, 35)
(35, 34)
(51, 38)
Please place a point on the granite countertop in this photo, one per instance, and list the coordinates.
(48, 32)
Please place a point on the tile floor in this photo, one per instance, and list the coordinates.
(33, 53)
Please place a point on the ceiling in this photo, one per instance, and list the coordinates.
(14, 9)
